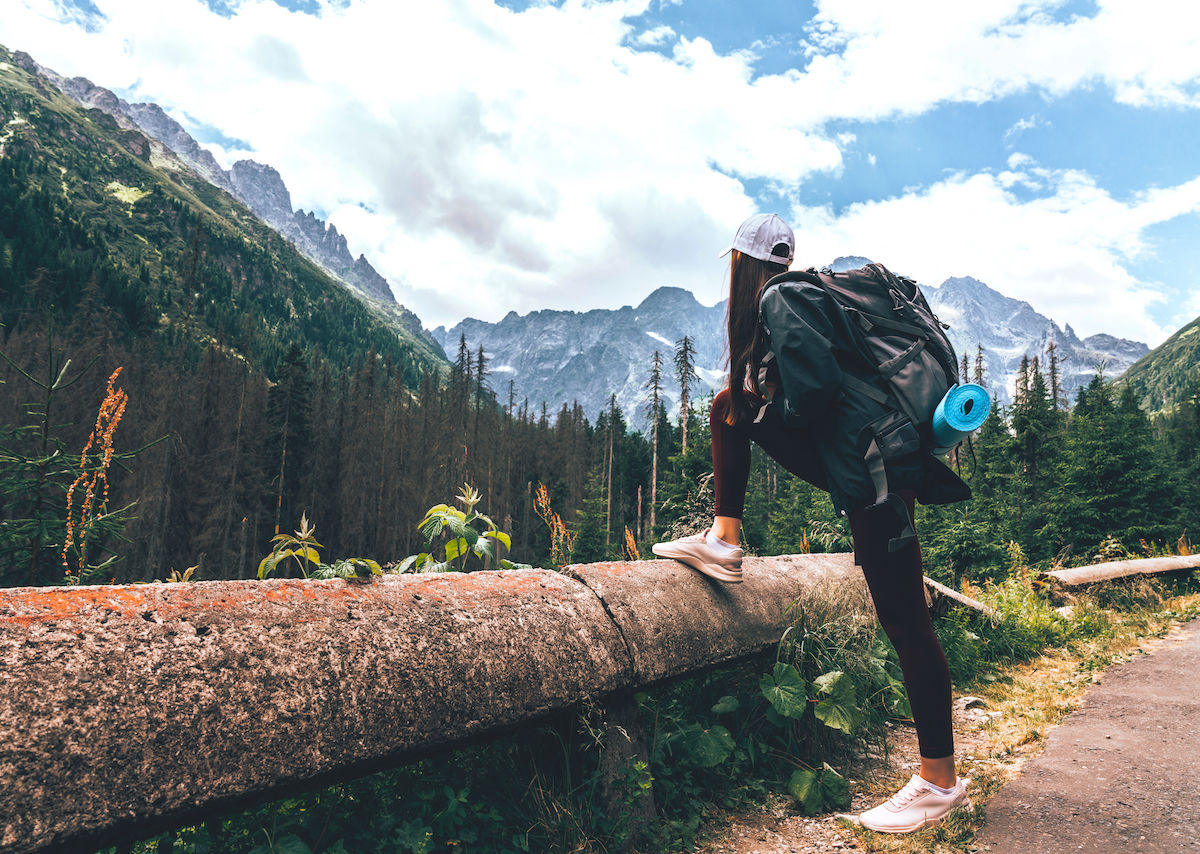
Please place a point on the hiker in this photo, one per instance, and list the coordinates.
(804, 411)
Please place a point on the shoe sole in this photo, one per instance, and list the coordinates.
(712, 570)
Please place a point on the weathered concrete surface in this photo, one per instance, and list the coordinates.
(1120, 773)
(669, 614)
(124, 709)
(119, 705)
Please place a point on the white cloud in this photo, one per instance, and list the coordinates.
(1067, 252)
(1146, 51)
(547, 161)
(655, 37)
(541, 162)
(1021, 125)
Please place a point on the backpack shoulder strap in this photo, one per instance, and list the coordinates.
(810, 275)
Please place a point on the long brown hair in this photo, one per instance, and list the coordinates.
(747, 277)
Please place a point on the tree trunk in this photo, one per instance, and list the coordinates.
(654, 474)
(1121, 569)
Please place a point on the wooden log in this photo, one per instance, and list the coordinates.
(1120, 569)
(959, 599)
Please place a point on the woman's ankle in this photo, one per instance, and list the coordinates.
(940, 772)
(728, 529)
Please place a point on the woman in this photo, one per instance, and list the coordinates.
(797, 413)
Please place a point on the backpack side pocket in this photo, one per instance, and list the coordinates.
(895, 435)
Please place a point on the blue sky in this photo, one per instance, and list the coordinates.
(577, 154)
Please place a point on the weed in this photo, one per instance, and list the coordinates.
(352, 568)
(466, 545)
(631, 549)
(562, 541)
(92, 482)
(299, 547)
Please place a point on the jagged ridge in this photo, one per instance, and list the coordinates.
(563, 356)
(258, 186)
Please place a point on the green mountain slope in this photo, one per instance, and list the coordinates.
(88, 213)
(1169, 373)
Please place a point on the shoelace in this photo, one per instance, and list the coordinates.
(905, 796)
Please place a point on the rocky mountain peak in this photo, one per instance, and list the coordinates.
(848, 262)
(667, 299)
(257, 185)
(262, 188)
(152, 120)
(1110, 344)
(88, 94)
(565, 356)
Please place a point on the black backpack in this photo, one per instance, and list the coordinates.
(897, 333)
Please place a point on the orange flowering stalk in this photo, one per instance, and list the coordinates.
(92, 482)
(562, 541)
(631, 549)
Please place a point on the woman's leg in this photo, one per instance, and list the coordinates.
(898, 590)
(731, 461)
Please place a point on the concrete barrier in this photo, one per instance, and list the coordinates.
(128, 709)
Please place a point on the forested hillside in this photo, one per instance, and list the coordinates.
(1170, 374)
(263, 388)
(165, 250)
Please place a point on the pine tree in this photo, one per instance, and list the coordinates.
(481, 391)
(287, 413)
(611, 430)
(654, 385)
(1022, 380)
(1055, 389)
(1113, 478)
(1035, 446)
(590, 544)
(685, 372)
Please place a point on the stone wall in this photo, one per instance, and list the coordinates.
(127, 709)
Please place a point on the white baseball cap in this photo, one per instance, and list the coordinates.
(760, 234)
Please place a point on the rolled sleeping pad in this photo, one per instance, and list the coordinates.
(961, 412)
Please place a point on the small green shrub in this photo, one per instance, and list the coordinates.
(298, 548)
(466, 546)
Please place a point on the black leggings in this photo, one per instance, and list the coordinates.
(894, 578)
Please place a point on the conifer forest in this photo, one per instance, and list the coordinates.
(210, 458)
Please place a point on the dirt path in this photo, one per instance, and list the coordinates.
(1131, 750)
(1119, 774)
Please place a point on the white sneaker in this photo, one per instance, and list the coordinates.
(698, 554)
(915, 806)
